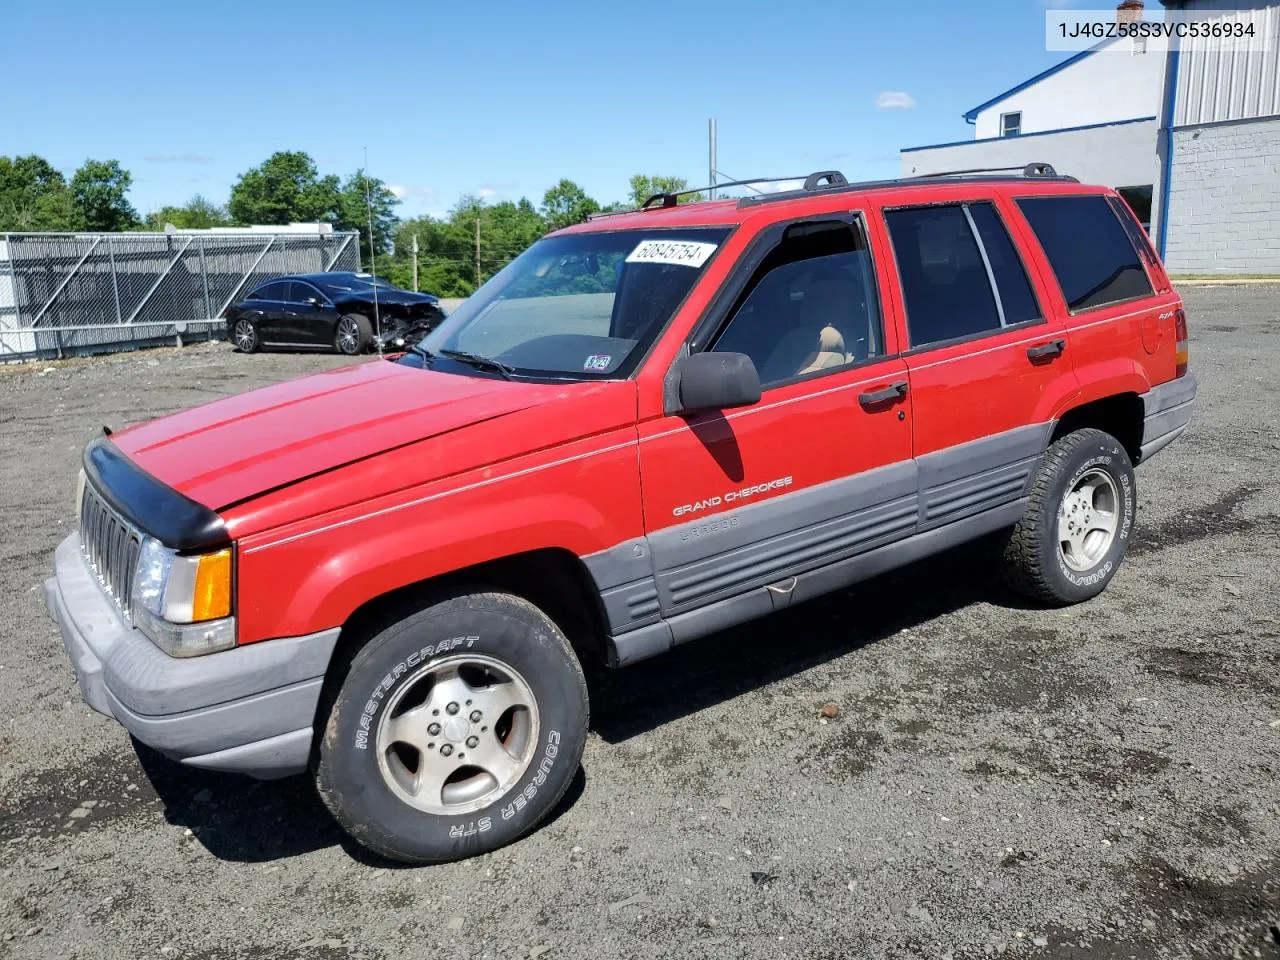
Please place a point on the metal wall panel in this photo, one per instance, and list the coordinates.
(1230, 83)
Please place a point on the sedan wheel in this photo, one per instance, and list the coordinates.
(245, 336)
(349, 338)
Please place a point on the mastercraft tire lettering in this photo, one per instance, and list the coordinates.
(456, 729)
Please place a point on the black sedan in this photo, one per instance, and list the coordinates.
(346, 312)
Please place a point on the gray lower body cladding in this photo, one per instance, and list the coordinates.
(1167, 412)
(692, 579)
(247, 710)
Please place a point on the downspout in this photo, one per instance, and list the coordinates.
(1170, 103)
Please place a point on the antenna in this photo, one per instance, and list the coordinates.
(373, 255)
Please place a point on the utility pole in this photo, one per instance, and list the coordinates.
(477, 253)
(711, 156)
(415, 263)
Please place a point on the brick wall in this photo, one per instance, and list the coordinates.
(1224, 208)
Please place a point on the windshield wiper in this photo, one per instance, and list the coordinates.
(426, 355)
(479, 362)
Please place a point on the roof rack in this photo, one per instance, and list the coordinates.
(835, 181)
(663, 200)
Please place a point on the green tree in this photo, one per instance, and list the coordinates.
(35, 196)
(643, 187)
(566, 204)
(285, 188)
(100, 189)
(354, 205)
(199, 213)
(447, 247)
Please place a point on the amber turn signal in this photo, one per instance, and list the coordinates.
(212, 595)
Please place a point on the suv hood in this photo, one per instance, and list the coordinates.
(233, 449)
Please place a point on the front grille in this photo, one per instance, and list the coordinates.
(110, 545)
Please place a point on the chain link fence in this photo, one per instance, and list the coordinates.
(63, 294)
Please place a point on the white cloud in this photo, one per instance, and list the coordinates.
(487, 193)
(895, 100)
(399, 191)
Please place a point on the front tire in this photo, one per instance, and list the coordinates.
(352, 334)
(456, 730)
(1072, 538)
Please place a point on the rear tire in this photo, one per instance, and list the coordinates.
(455, 731)
(1072, 538)
(244, 336)
(352, 334)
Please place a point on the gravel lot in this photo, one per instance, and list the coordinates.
(1096, 782)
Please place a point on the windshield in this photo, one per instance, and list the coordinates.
(353, 283)
(583, 306)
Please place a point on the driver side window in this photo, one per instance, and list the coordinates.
(810, 307)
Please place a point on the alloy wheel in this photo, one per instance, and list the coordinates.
(246, 337)
(457, 735)
(1087, 520)
(348, 336)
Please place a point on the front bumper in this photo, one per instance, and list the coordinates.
(248, 710)
(1167, 413)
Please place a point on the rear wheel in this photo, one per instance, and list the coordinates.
(352, 334)
(455, 731)
(244, 336)
(1072, 538)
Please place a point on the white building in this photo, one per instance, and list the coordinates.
(1220, 150)
(1195, 132)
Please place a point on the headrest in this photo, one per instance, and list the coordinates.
(830, 340)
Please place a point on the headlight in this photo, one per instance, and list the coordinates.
(184, 603)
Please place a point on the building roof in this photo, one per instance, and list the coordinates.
(972, 115)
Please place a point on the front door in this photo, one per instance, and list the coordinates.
(985, 355)
(739, 502)
(306, 320)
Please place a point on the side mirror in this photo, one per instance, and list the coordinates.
(311, 301)
(717, 381)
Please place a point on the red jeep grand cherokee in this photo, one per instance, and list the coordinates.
(646, 428)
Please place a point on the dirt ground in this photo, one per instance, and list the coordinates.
(1099, 782)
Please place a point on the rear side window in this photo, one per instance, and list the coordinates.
(961, 275)
(1088, 248)
(271, 291)
(1017, 302)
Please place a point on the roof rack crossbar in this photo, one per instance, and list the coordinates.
(1029, 170)
(671, 199)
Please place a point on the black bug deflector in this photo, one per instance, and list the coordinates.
(153, 507)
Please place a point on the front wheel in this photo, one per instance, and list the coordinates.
(352, 334)
(455, 731)
(1072, 538)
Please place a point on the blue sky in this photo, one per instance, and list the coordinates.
(501, 98)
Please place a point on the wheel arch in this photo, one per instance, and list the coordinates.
(1118, 414)
(553, 579)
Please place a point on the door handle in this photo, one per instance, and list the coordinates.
(890, 394)
(1046, 351)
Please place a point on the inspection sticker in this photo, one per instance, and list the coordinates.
(684, 253)
(598, 362)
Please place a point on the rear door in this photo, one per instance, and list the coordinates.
(271, 302)
(986, 358)
(738, 502)
(1117, 303)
